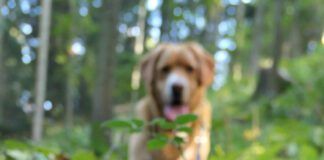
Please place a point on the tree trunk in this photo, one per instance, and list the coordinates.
(2, 70)
(166, 11)
(69, 112)
(102, 104)
(139, 48)
(41, 77)
(70, 94)
(296, 48)
(213, 18)
(277, 46)
(102, 100)
(139, 40)
(270, 82)
(257, 37)
(71, 87)
(235, 66)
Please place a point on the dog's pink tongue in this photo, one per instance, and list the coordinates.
(171, 112)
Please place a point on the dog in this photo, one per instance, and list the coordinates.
(176, 77)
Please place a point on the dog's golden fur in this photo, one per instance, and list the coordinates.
(191, 61)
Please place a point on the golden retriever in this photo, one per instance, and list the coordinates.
(176, 77)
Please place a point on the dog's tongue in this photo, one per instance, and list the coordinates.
(171, 112)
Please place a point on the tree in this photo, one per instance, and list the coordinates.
(296, 34)
(139, 40)
(166, 10)
(213, 18)
(139, 47)
(108, 40)
(2, 71)
(277, 43)
(41, 74)
(270, 82)
(257, 37)
(104, 82)
(71, 75)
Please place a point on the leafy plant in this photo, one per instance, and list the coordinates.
(159, 140)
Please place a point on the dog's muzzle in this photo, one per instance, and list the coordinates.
(176, 89)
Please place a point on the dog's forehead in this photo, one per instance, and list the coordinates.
(177, 55)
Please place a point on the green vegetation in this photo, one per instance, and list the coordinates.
(267, 99)
(288, 127)
(159, 140)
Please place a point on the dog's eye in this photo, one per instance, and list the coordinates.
(189, 69)
(166, 69)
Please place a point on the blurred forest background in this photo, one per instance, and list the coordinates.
(67, 66)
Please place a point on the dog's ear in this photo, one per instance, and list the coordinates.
(148, 64)
(207, 69)
(206, 64)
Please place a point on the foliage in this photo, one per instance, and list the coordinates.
(289, 126)
(159, 140)
(304, 98)
(59, 143)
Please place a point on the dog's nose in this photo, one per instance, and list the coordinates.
(177, 88)
(177, 93)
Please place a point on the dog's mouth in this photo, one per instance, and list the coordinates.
(171, 112)
(176, 104)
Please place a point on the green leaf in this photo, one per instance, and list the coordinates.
(186, 118)
(83, 155)
(15, 144)
(118, 124)
(167, 125)
(44, 150)
(156, 143)
(184, 129)
(163, 123)
(308, 152)
(137, 123)
(178, 140)
(161, 136)
(157, 121)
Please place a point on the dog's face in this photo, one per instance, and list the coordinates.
(177, 75)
